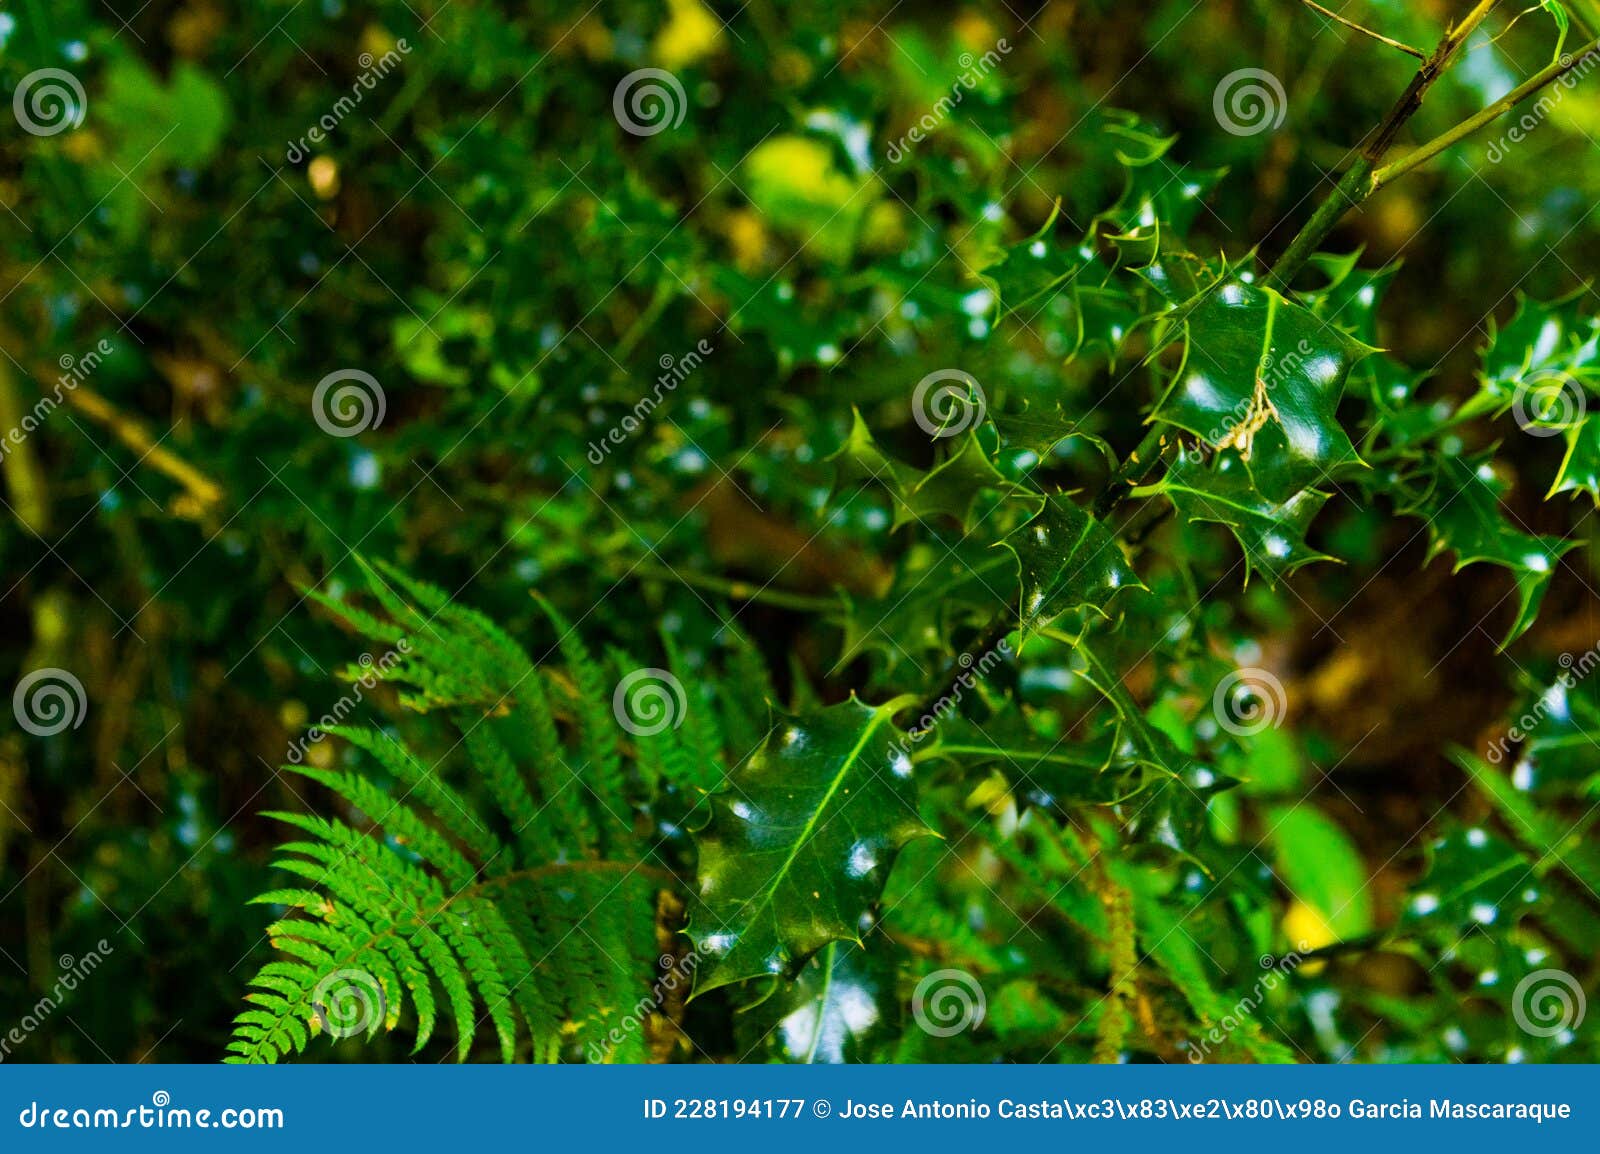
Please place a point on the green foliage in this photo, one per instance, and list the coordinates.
(894, 686)
(519, 896)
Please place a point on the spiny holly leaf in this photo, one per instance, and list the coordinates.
(842, 1005)
(1464, 514)
(1352, 295)
(938, 587)
(1040, 429)
(1396, 413)
(954, 485)
(1580, 468)
(1472, 875)
(1543, 343)
(1271, 533)
(1163, 193)
(1036, 268)
(1066, 560)
(1166, 264)
(1263, 375)
(1553, 839)
(796, 851)
(950, 488)
(1063, 772)
(1561, 751)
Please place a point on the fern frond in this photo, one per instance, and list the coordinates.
(478, 897)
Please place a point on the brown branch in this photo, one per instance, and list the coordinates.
(1378, 36)
(1355, 185)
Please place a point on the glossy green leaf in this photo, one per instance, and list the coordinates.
(1552, 839)
(1322, 868)
(1544, 341)
(1464, 514)
(1580, 465)
(1271, 533)
(1036, 268)
(840, 1008)
(1263, 375)
(796, 850)
(1067, 560)
(950, 488)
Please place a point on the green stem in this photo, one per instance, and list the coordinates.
(1135, 466)
(1364, 30)
(1352, 189)
(25, 479)
(1355, 186)
(745, 591)
(1541, 79)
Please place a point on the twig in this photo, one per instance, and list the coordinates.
(1137, 464)
(1406, 48)
(1541, 79)
(25, 479)
(201, 489)
(1355, 186)
(746, 590)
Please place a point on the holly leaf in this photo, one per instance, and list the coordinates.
(1271, 533)
(1553, 839)
(1580, 467)
(1066, 560)
(1471, 876)
(1162, 193)
(1264, 375)
(796, 850)
(1464, 515)
(842, 1005)
(938, 587)
(1560, 753)
(1065, 772)
(1040, 429)
(950, 488)
(1542, 345)
(1034, 269)
(1352, 296)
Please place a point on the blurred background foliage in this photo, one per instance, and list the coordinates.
(482, 237)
